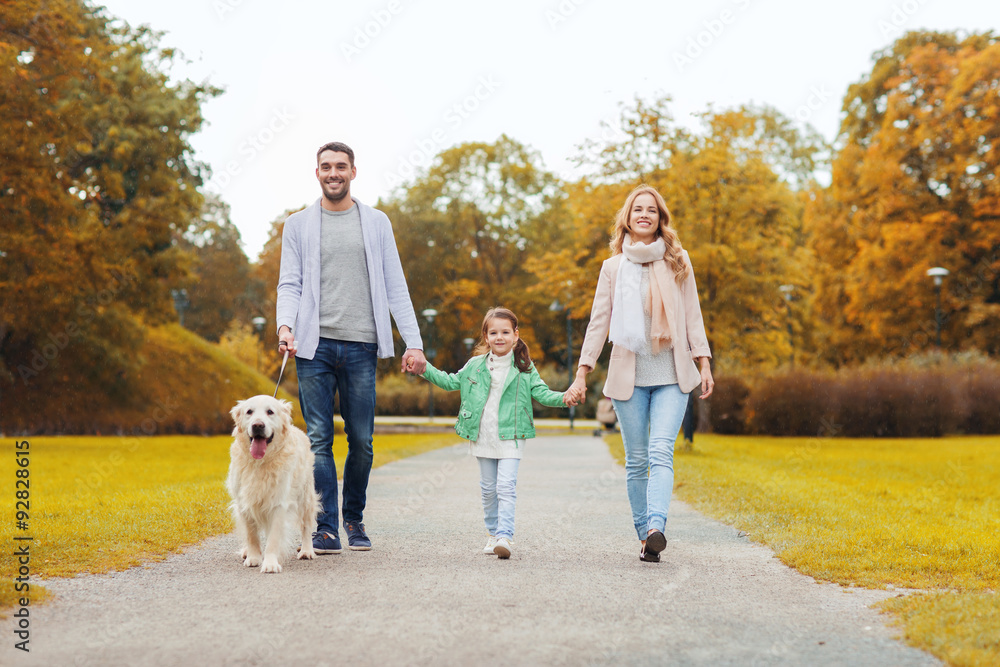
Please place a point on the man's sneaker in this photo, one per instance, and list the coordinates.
(356, 538)
(490, 543)
(502, 548)
(325, 543)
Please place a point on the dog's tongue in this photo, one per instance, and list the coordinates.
(257, 447)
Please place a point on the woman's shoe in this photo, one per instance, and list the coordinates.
(490, 544)
(656, 542)
(648, 556)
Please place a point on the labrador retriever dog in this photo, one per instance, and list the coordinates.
(271, 482)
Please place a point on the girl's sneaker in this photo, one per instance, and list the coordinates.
(503, 547)
(490, 543)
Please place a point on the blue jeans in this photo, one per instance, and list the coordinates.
(650, 420)
(498, 479)
(349, 368)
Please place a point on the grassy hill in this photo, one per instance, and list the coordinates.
(184, 385)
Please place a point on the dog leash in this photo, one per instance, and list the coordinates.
(282, 371)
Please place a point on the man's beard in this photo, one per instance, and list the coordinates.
(336, 199)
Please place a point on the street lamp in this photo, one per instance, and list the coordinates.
(786, 291)
(258, 325)
(556, 307)
(469, 342)
(429, 315)
(181, 302)
(938, 273)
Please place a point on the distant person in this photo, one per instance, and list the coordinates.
(496, 417)
(647, 299)
(688, 424)
(339, 282)
(606, 415)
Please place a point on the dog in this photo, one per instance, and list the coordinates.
(271, 482)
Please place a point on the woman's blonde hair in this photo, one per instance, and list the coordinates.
(674, 255)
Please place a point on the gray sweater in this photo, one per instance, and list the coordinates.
(299, 280)
(345, 301)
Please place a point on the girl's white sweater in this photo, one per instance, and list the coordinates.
(489, 445)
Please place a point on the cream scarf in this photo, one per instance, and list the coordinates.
(628, 322)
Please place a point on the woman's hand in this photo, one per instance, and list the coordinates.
(578, 390)
(575, 394)
(707, 383)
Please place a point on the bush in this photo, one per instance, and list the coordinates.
(184, 385)
(399, 394)
(726, 412)
(982, 400)
(797, 403)
(897, 404)
(893, 402)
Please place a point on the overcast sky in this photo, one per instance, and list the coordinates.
(400, 80)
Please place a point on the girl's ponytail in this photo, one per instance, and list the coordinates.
(522, 357)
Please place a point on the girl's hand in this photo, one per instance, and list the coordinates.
(707, 383)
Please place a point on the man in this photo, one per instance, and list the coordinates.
(340, 279)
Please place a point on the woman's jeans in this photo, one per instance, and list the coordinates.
(498, 479)
(349, 368)
(650, 420)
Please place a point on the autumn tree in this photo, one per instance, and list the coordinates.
(96, 179)
(264, 291)
(221, 287)
(733, 191)
(464, 229)
(916, 184)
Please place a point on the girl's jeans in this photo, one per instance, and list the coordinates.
(497, 479)
(650, 420)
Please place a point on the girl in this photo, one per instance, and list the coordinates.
(647, 299)
(495, 416)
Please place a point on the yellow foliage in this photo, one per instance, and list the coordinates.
(913, 188)
(242, 342)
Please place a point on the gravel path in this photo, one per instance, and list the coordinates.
(574, 592)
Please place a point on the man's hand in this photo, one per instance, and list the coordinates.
(414, 361)
(286, 341)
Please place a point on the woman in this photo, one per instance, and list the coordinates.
(647, 299)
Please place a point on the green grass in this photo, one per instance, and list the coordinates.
(99, 504)
(913, 513)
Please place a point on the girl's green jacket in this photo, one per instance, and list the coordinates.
(473, 381)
